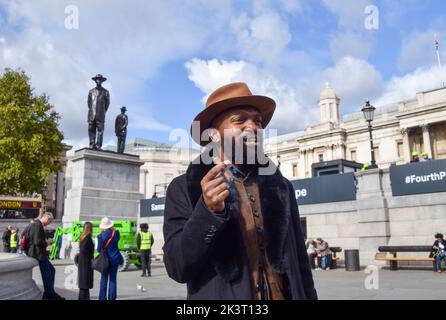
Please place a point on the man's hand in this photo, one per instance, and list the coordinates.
(215, 188)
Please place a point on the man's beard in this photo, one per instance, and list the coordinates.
(246, 149)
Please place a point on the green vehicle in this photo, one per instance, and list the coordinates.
(127, 242)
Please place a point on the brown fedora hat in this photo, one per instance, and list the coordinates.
(230, 96)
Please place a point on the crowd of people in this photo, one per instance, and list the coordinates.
(415, 157)
(320, 255)
(10, 239)
(34, 244)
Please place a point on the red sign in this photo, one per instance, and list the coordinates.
(19, 204)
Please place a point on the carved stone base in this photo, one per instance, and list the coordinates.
(16, 282)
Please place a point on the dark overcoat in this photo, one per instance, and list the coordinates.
(98, 103)
(37, 241)
(206, 251)
(85, 271)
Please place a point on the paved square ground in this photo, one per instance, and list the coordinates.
(332, 284)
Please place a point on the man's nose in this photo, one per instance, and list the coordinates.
(251, 125)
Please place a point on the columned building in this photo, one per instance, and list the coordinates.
(418, 124)
(162, 163)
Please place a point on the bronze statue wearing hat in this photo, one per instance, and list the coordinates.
(121, 123)
(233, 231)
(98, 103)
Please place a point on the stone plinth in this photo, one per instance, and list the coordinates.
(103, 183)
(16, 282)
(373, 215)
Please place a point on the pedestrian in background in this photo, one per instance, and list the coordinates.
(438, 248)
(38, 250)
(24, 238)
(425, 155)
(415, 157)
(108, 241)
(311, 251)
(145, 242)
(14, 240)
(6, 239)
(324, 252)
(85, 271)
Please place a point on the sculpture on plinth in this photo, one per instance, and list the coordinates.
(98, 103)
(121, 123)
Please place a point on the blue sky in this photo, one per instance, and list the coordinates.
(162, 58)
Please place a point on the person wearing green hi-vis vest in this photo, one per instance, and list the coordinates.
(145, 242)
(14, 240)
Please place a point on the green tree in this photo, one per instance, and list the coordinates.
(30, 140)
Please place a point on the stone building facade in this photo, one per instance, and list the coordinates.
(162, 163)
(376, 217)
(418, 125)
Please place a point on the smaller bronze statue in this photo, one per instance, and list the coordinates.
(98, 103)
(121, 123)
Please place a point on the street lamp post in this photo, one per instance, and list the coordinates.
(368, 110)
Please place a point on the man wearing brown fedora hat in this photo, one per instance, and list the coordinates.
(231, 227)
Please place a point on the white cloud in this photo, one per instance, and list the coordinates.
(128, 44)
(139, 121)
(261, 39)
(395, 13)
(291, 113)
(406, 87)
(354, 81)
(351, 38)
(208, 75)
(292, 6)
(350, 12)
(53, 72)
(418, 50)
(76, 144)
(349, 44)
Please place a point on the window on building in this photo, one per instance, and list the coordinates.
(416, 140)
(321, 157)
(353, 155)
(294, 169)
(400, 149)
(439, 141)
